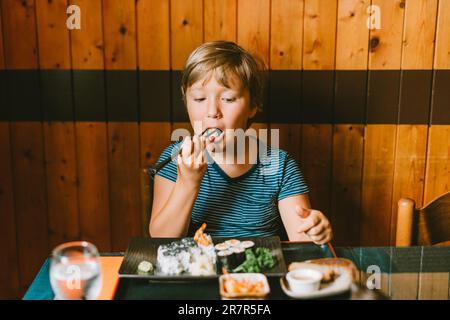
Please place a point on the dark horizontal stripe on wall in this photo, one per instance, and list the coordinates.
(154, 96)
(122, 95)
(317, 96)
(4, 110)
(415, 96)
(350, 89)
(179, 112)
(333, 96)
(383, 97)
(56, 92)
(23, 95)
(440, 109)
(89, 95)
(285, 97)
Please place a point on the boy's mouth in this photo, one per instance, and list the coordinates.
(212, 132)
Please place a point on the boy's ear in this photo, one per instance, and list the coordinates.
(253, 111)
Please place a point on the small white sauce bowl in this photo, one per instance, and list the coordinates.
(304, 280)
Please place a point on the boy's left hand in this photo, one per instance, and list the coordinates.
(315, 225)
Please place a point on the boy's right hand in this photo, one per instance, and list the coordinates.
(192, 162)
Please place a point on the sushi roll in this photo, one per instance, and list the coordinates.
(226, 259)
(239, 255)
(222, 246)
(233, 242)
(247, 244)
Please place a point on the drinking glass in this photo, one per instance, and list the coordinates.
(75, 271)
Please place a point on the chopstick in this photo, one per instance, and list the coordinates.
(332, 249)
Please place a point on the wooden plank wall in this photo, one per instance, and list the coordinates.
(76, 174)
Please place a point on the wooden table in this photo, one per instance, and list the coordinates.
(404, 273)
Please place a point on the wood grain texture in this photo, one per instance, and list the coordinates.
(186, 29)
(119, 25)
(92, 155)
(352, 35)
(386, 43)
(442, 50)
(153, 28)
(19, 22)
(286, 44)
(316, 163)
(253, 35)
(378, 174)
(154, 136)
(253, 27)
(123, 137)
(30, 198)
(380, 140)
(419, 34)
(125, 204)
(53, 35)
(87, 43)
(290, 138)
(91, 137)
(319, 42)
(286, 35)
(434, 286)
(60, 155)
(319, 45)
(9, 275)
(348, 150)
(404, 286)
(220, 20)
(417, 53)
(62, 182)
(348, 139)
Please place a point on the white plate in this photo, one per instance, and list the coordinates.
(340, 285)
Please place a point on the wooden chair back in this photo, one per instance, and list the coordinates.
(429, 225)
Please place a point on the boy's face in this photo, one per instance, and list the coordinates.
(216, 106)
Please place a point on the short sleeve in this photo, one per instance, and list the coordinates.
(170, 170)
(292, 183)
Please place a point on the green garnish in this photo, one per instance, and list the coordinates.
(256, 261)
(145, 267)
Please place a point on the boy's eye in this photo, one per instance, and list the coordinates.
(229, 99)
(199, 99)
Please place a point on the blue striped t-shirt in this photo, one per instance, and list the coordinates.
(244, 206)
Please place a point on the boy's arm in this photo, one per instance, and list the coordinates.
(171, 208)
(302, 223)
(173, 202)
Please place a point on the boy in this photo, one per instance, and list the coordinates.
(222, 88)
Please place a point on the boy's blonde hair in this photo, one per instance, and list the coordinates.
(226, 59)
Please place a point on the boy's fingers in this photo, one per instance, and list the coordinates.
(187, 147)
(321, 239)
(199, 158)
(317, 230)
(197, 145)
(306, 225)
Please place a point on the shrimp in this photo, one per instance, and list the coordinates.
(200, 237)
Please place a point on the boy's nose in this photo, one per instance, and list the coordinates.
(213, 109)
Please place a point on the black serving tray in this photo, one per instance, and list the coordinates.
(141, 249)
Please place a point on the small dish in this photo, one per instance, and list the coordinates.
(304, 281)
(244, 286)
(340, 285)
